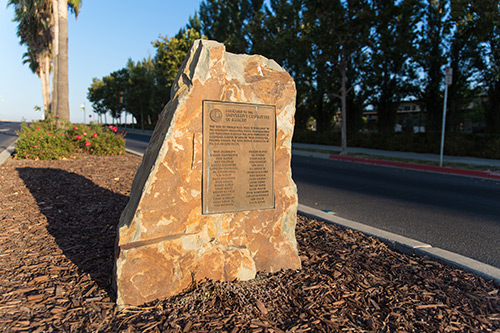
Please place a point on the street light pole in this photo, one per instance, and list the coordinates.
(82, 107)
(449, 78)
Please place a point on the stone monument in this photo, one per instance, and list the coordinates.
(213, 197)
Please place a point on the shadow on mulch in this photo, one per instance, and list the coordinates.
(82, 217)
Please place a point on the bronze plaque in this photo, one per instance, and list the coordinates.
(238, 156)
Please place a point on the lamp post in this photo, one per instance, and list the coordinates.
(449, 79)
(82, 107)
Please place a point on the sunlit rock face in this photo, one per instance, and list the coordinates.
(164, 241)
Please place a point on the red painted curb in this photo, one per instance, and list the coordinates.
(422, 167)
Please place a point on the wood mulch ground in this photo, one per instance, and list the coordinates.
(57, 233)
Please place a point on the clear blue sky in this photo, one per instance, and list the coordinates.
(104, 36)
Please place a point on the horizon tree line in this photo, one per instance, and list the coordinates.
(344, 55)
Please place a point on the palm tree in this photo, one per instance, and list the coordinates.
(39, 63)
(43, 27)
(34, 21)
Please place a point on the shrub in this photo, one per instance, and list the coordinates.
(457, 144)
(44, 141)
(492, 148)
(96, 139)
(52, 139)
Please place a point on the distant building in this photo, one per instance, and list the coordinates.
(409, 116)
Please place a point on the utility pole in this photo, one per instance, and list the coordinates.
(449, 79)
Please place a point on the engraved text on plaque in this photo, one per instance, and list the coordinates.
(238, 156)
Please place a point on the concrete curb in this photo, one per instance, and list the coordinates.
(4, 155)
(404, 165)
(133, 152)
(408, 245)
(136, 131)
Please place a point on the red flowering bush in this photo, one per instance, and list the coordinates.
(46, 141)
(97, 139)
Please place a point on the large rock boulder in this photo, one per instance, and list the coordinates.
(165, 241)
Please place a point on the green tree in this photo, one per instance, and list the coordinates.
(465, 59)
(43, 28)
(282, 36)
(431, 58)
(95, 95)
(107, 94)
(486, 13)
(143, 88)
(140, 90)
(339, 32)
(193, 23)
(170, 53)
(228, 22)
(116, 85)
(388, 68)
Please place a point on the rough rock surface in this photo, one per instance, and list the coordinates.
(165, 242)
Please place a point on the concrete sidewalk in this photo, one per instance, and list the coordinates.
(403, 155)
(495, 164)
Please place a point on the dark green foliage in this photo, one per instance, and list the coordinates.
(431, 58)
(456, 144)
(285, 38)
(107, 94)
(170, 53)
(488, 21)
(141, 94)
(116, 83)
(230, 22)
(346, 57)
(389, 72)
(355, 120)
(493, 108)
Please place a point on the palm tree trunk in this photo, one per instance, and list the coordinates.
(62, 81)
(46, 62)
(43, 73)
(55, 56)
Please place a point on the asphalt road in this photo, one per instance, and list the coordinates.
(136, 142)
(8, 133)
(455, 213)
